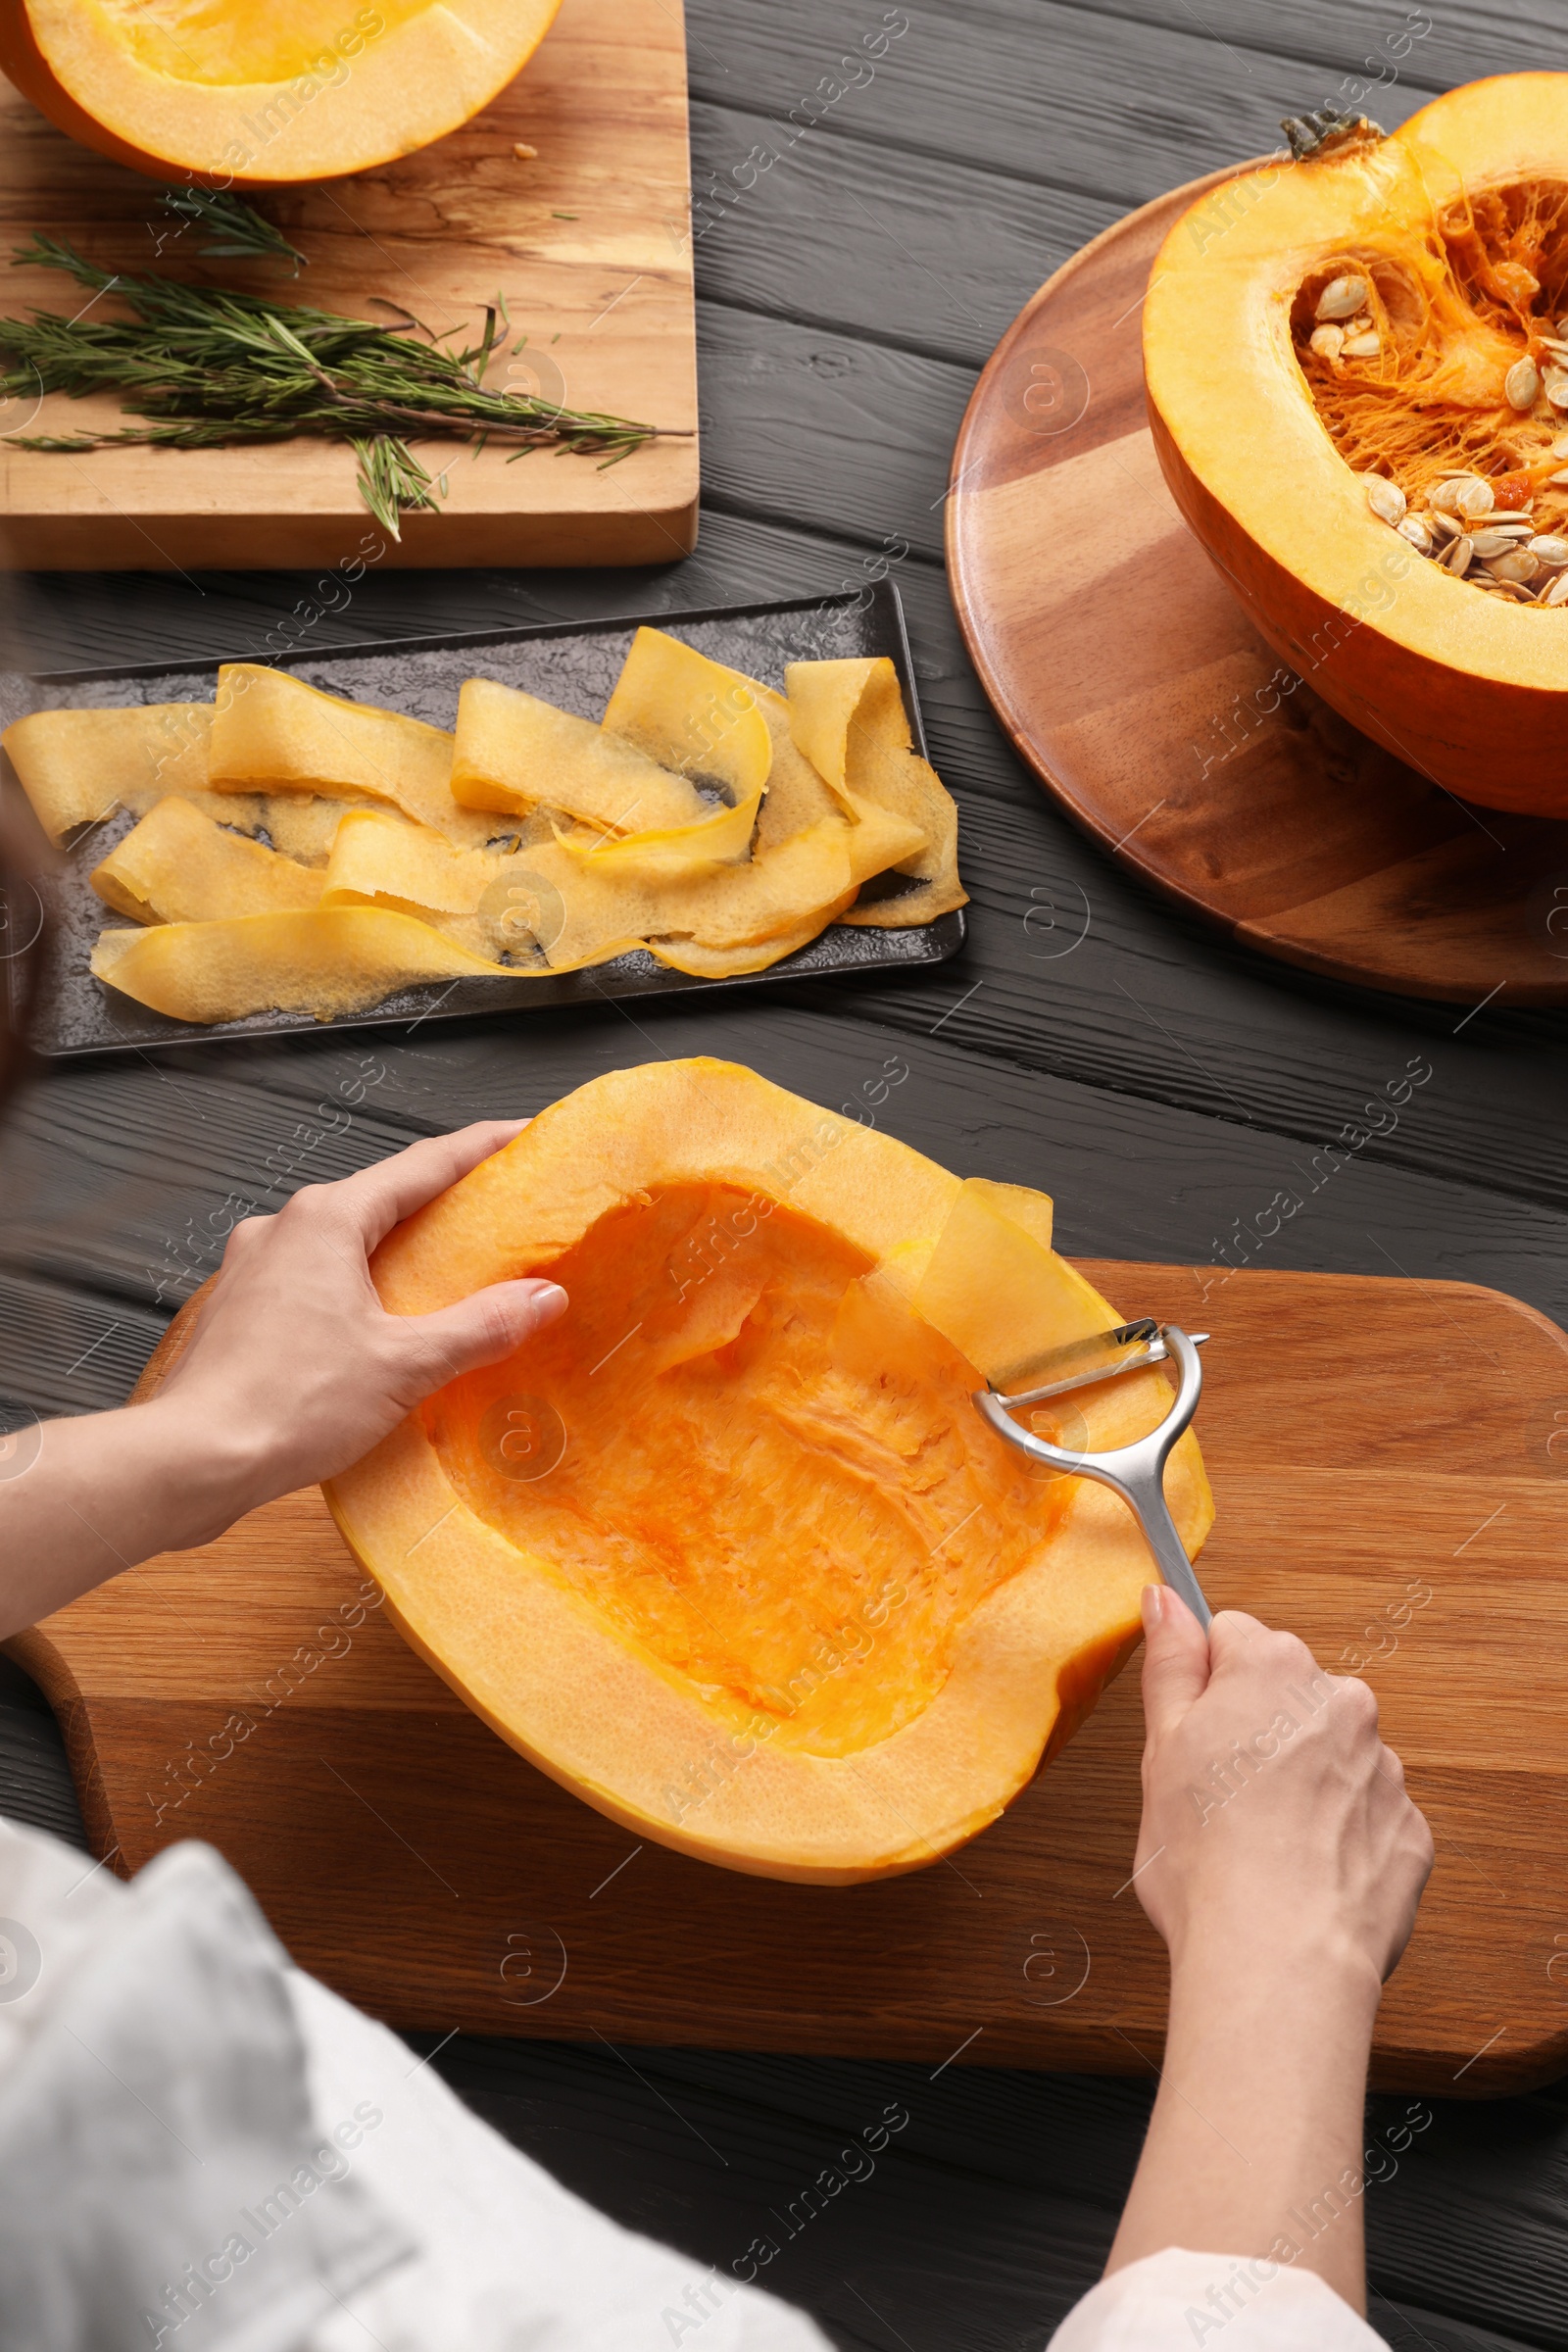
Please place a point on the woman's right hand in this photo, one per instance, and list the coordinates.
(1282, 1861)
(1274, 1816)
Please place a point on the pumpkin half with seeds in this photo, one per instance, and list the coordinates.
(251, 93)
(729, 1551)
(1357, 374)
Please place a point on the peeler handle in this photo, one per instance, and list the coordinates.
(1135, 1472)
(1146, 1495)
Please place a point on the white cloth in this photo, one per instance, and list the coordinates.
(204, 2150)
(161, 2162)
(512, 2262)
(1172, 2301)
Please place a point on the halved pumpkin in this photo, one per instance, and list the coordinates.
(1318, 465)
(729, 1551)
(252, 93)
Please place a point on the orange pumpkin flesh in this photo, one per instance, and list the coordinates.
(250, 93)
(1458, 225)
(729, 1551)
(814, 1506)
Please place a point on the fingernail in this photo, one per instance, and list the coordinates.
(550, 1301)
(1154, 1606)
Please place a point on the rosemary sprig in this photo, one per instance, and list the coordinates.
(208, 367)
(391, 479)
(236, 231)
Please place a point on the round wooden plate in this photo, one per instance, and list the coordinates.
(1132, 681)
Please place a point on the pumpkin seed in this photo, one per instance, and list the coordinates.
(1456, 554)
(1521, 386)
(1490, 542)
(1557, 593)
(1367, 347)
(1418, 531)
(1550, 550)
(1342, 297)
(1512, 592)
(1463, 494)
(1518, 564)
(1562, 324)
(1385, 498)
(1557, 391)
(1327, 341)
(1445, 524)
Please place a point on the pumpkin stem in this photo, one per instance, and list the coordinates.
(1328, 130)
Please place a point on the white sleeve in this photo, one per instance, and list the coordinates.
(1179, 2300)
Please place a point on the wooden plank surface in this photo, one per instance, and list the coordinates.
(1403, 1515)
(587, 240)
(1163, 1082)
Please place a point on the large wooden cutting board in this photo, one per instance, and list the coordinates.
(1370, 1443)
(589, 239)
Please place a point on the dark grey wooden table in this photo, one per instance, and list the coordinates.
(1159, 1084)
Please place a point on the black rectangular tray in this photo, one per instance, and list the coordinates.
(572, 663)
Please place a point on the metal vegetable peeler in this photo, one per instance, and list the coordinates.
(1135, 1472)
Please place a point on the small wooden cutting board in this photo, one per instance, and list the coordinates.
(569, 195)
(1390, 1465)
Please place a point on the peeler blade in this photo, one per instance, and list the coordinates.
(1127, 1348)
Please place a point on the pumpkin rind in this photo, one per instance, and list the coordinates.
(1469, 690)
(602, 1710)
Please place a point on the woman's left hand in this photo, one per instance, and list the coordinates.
(295, 1369)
